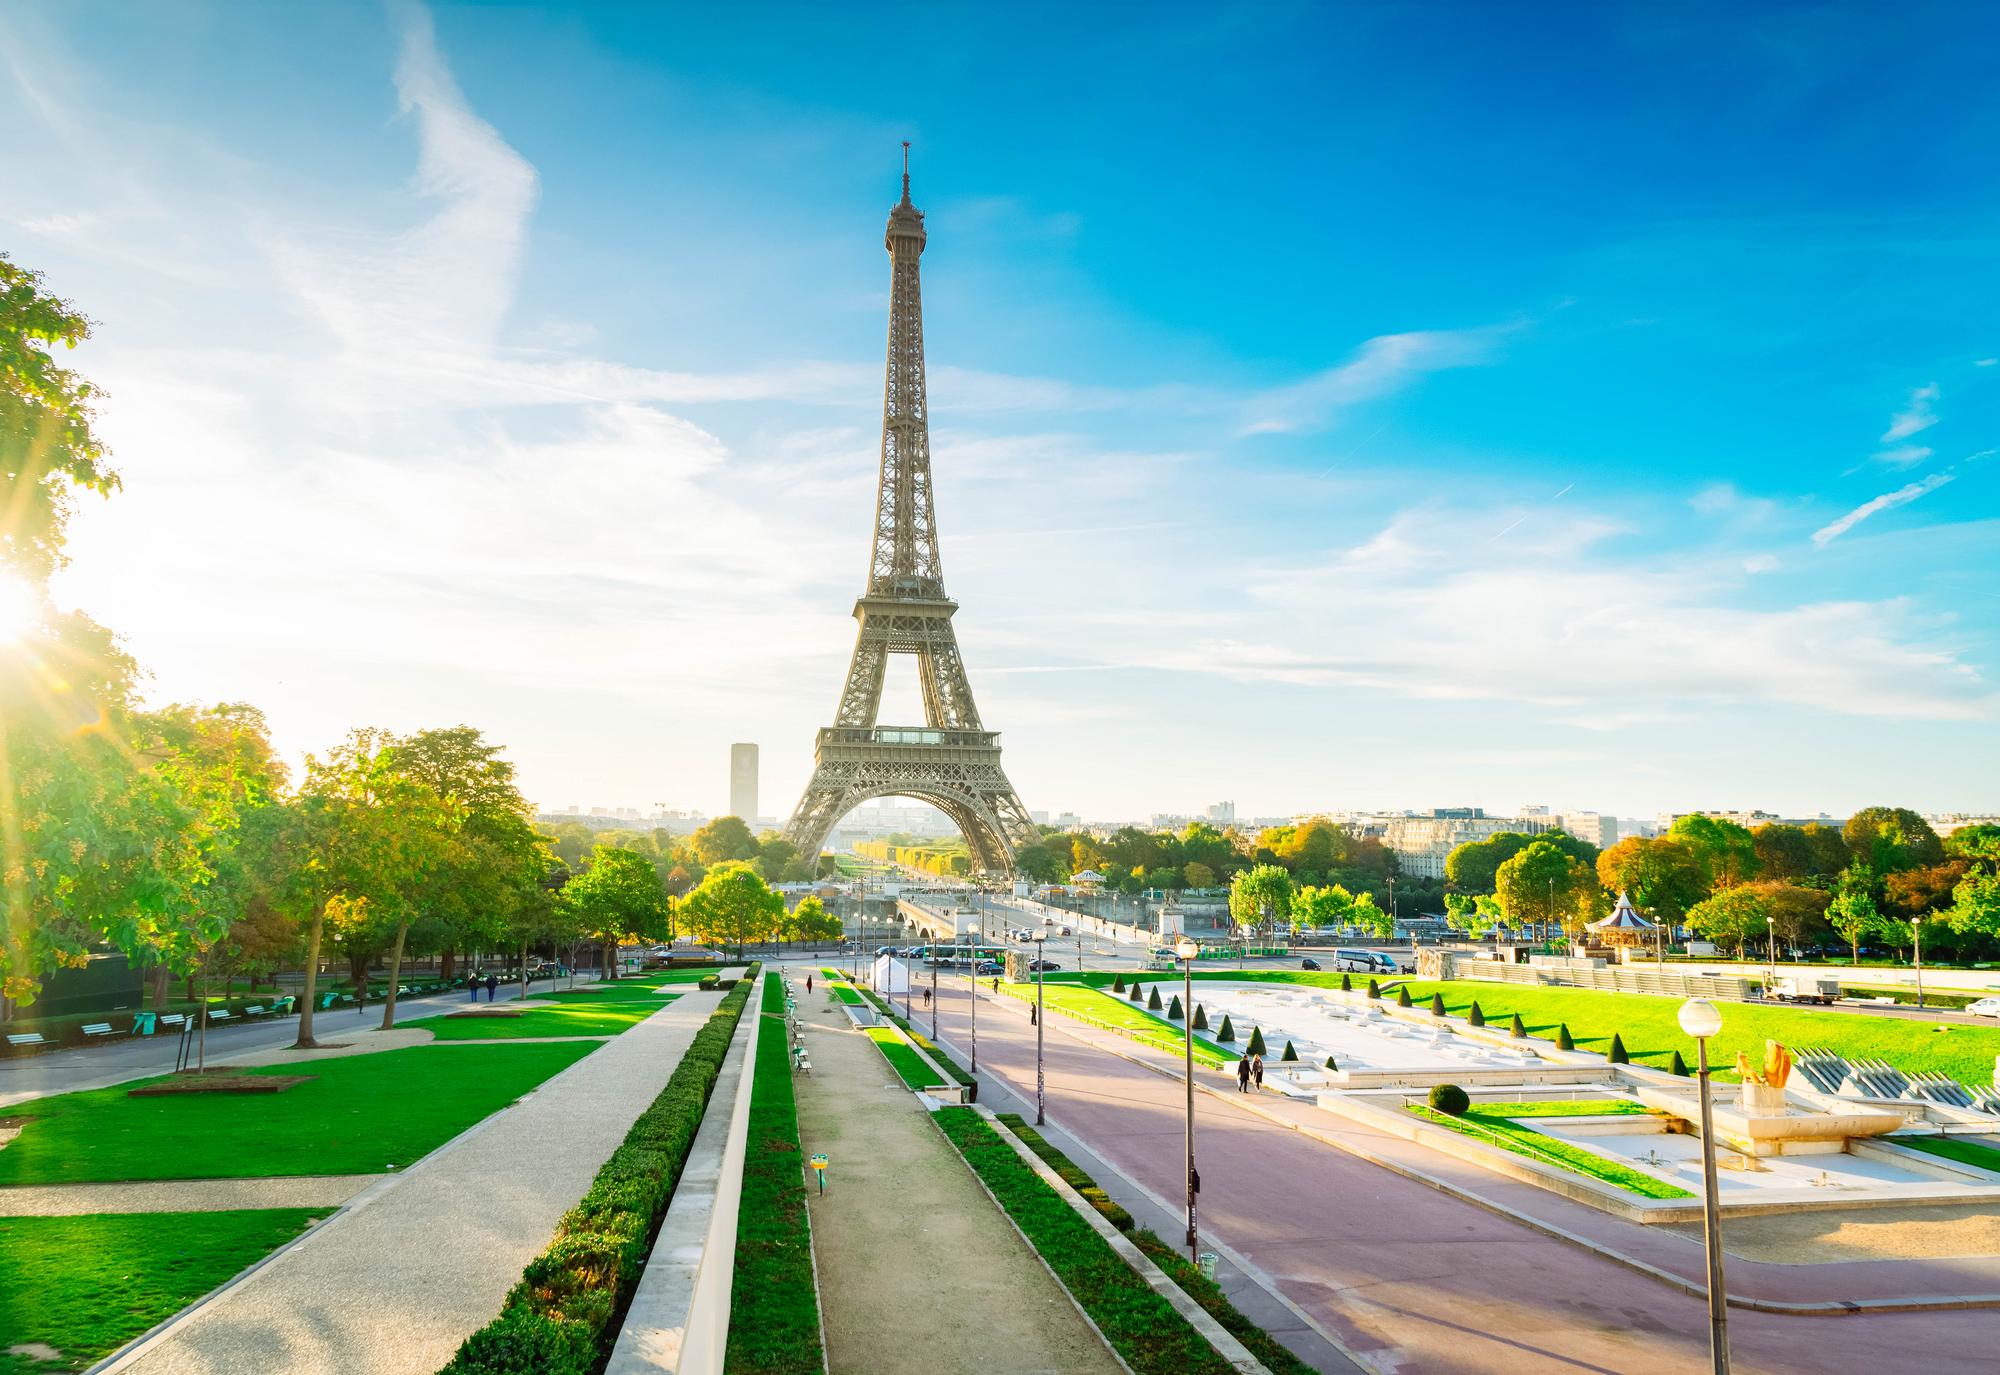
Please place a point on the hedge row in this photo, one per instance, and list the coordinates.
(1199, 1287)
(903, 1060)
(564, 1315)
(773, 1304)
(1146, 1330)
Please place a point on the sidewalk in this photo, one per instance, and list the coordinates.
(919, 1272)
(393, 1290)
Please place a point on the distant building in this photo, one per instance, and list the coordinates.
(1595, 827)
(1222, 813)
(1422, 843)
(743, 782)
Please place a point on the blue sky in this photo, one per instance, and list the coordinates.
(1386, 405)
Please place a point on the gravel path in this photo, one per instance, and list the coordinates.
(918, 1271)
(184, 1195)
(394, 1283)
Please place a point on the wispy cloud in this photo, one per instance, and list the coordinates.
(1888, 501)
(1384, 364)
(1917, 415)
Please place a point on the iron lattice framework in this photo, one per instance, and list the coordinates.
(950, 761)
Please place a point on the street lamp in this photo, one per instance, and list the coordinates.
(1041, 1016)
(1700, 1019)
(1185, 950)
(1771, 935)
(1917, 937)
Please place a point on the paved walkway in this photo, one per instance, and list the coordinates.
(183, 1195)
(393, 1284)
(919, 1271)
(1409, 1278)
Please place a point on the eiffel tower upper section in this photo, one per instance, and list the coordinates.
(951, 761)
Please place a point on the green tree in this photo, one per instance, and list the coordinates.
(810, 921)
(1726, 851)
(1543, 883)
(1783, 852)
(1474, 866)
(1828, 849)
(1852, 913)
(723, 839)
(1322, 906)
(1662, 875)
(1888, 839)
(1198, 875)
(1366, 914)
(1733, 917)
(733, 902)
(1260, 895)
(618, 897)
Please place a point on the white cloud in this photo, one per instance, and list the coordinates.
(1915, 416)
(1384, 364)
(1903, 455)
(1888, 501)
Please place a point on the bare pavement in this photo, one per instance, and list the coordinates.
(1410, 1280)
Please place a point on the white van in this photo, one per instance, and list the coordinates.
(1364, 962)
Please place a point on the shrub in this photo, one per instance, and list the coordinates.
(708, 982)
(1374, 989)
(1346, 984)
(1153, 1003)
(1518, 1028)
(1228, 1032)
(1680, 1066)
(1117, 983)
(1256, 1046)
(1475, 1016)
(567, 1308)
(1330, 1063)
(1618, 1055)
(1174, 1012)
(1290, 1052)
(1200, 1017)
(1450, 1100)
(1403, 998)
(1437, 1004)
(1564, 1041)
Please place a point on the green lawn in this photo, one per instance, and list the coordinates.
(1652, 1035)
(363, 1114)
(87, 1285)
(902, 1059)
(1121, 1014)
(1492, 1123)
(846, 994)
(774, 1307)
(574, 1012)
(1952, 1148)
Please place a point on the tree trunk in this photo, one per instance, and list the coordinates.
(201, 1032)
(162, 980)
(448, 964)
(524, 971)
(395, 977)
(306, 1041)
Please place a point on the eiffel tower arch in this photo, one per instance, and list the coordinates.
(951, 761)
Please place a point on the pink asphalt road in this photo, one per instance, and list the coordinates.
(1412, 1280)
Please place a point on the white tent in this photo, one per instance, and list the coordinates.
(890, 976)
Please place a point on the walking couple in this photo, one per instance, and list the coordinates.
(1248, 1070)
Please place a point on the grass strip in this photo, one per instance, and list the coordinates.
(1183, 1272)
(1952, 1148)
(1118, 1014)
(1525, 1141)
(576, 1014)
(1559, 1107)
(1142, 1327)
(84, 1286)
(774, 1304)
(902, 1059)
(950, 1066)
(359, 1114)
(564, 1315)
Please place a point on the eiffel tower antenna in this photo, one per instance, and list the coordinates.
(950, 761)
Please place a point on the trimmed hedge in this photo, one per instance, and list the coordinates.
(1113, 1213)
(773, 1304)
(563, 1317)
(1141, 1326)
(923, 1042)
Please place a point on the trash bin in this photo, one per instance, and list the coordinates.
(1207, 1263)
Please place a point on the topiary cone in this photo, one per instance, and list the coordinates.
(1117, 983)
(1476, 1017)
(1346, 984)
(1403, 997)
(1679, 1065)
(1133, 992)
(1290, 1053)
(1437, 1004)
(1256, 1046)
(1519, 1027)
(1153, 1000)
(1174, 1009)
(1330, 1064)
(1200, 1017)
(1618, 1055)
(1563, 1039)
(1374, 989)
(1228, 1032)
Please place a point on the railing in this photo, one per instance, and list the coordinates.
(907, 735)
(1613, 980)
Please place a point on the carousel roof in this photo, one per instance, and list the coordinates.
(1622, 918)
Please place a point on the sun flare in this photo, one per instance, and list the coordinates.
(20, 609)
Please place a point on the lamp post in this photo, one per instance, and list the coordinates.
(972, 1006)
(1917, 938)
(1771, 936)
(1185, 951)
(1700, 1019)
(1041, 1015)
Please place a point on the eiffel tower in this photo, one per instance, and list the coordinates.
(950, 761)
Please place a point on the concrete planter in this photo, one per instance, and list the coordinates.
(1763, 1100)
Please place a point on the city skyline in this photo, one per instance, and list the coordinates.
(1654, 473)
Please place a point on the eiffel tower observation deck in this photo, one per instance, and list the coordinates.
(951, 760)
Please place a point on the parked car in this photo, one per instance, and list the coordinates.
(1065, 932)
(1043, 965)
(1309, 964)
(989, 967)
(1365, 962)
(1985, 1007)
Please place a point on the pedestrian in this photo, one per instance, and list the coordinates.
(492, 987)
(927, 997)
(809, 983)
(996, 984)
(472, 987)
(1257, 1071)
(1243, 1075)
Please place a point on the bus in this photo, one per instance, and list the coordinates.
(958, 956)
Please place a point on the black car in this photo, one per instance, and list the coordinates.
(1043, 965)
(1309, 964)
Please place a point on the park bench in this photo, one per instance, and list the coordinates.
(221, 1014)
(26, 1040)
(801, 1061)
(254, 1010)
(327, 1000)
(97, 1029)
(172, 1021)
(282, 1007)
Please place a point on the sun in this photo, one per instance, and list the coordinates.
(20, 609)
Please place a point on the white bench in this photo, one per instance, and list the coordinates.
(221, 1014)
(172, 1019)
(254, 1010)
(27, 1038)
(96, 1029)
